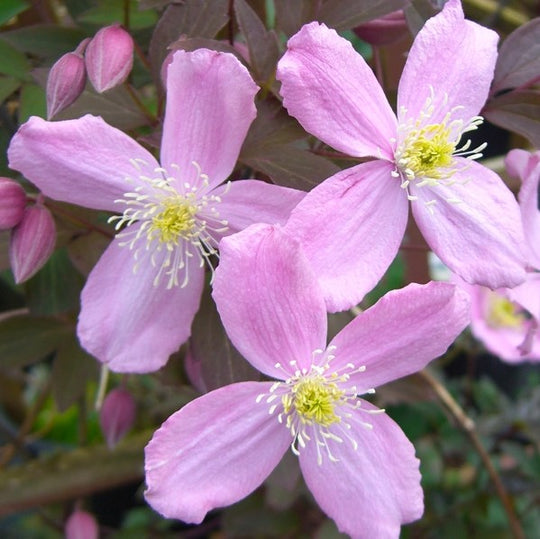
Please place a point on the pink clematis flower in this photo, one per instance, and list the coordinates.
(465, 212)
(140, 299)
(356, 461)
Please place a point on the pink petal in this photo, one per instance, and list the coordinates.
(269, 300)
(350, 227)
(401, 333)
(528, 294)
(517, 163)
(328, 87)
(209, 110)
(213, 452)
(129, 323)
(480, 237)
(246, 202)
(83, 161)
(529, 204)
(453, 57)
(372, 490)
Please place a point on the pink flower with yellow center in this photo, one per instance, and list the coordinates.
(356, 461)
(351, 225)
(140, 299)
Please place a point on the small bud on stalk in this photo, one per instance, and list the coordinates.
(81, 525)
(32, 242)
(109, 58)
(12, 203)
(117, 415)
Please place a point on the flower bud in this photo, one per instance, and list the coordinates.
(12, 203)
(65, 83)
(109, 58)
(116, 416)
(81, 525)
(32, 242)
(385, 30)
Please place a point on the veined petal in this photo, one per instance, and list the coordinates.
(328, 87)
(474, 226)
(213, 452)
(84, 161)
(529, 204)
(246, 202)
(209, 110)
(454, 59)
(372, 489)
(401, 333)
(129, 323)
(350, 227)
(269, 300)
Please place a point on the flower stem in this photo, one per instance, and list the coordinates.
(467, 425)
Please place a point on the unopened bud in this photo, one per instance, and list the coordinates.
(109, 58)
(32, 242)
(117, 415)
(65, 83)
(385, 30)
(12, 203)
(81, 525)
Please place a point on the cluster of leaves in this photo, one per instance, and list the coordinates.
(52, 451)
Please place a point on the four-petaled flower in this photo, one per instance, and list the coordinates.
(464, 210)
(356, 461)
(140, 299)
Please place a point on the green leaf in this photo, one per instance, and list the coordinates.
(262, 44)
(217, 360)
(73, 368)
(43, 40)
(11, 8)
(33, 102)
(25, 339)
(346, 14)
(56, 287)
(517, 111)
(112, 11)
(7, 86)
(14, 62)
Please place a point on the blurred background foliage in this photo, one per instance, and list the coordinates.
(53, 455)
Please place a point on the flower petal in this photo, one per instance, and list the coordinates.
(372, 490)
(528, 294)
(479, 237)
(129, 323)
(453, 57)
(530, 206)
(83, 161)
(246, 202)
(350, 227)
(269, 299)
(209, 110)
(328, 87)
(213, 452)
(401, 333)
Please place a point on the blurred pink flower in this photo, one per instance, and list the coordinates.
(465, 212)
(140, 299)
(81, 525)
(356, 461)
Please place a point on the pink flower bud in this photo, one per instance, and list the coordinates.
(109, 58)
(12, 203)
(81, 525)
(65, 84)
(384, 31)
(117, 415)
(32, 242)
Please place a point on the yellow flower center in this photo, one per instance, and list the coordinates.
(314, 400)
(175, 221)
(502, 313)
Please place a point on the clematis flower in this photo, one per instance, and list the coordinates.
(356, 461)
(465, 212)
(140, 299)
